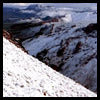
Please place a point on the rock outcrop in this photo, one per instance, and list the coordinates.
(9, 37)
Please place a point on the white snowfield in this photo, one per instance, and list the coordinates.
(25, 76)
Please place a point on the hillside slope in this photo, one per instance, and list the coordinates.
(25, 76)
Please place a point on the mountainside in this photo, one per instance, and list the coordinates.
(63, 38)
(25, 76)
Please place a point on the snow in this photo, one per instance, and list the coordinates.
(83, 19)
(52, 13)
(37, 43)
(67, 18)
(79, 65)
(28, 11)
(53, 43)
(25, 76)
(32, 19)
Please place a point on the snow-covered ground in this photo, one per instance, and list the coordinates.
(25, 76)
(63, 38)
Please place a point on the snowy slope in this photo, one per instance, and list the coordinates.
(25, 76)
(64, 39)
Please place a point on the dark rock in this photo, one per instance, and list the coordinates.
(60, 52)
(90, 28)
(38, 34)
(47, 18)
(61, 65)
(73, 26)
(77, 48)
(8, 36)
(41, 54)
(25, 25)
(55, 67)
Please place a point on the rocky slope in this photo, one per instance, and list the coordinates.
(64, 39)
(25, 76)
(72, 53)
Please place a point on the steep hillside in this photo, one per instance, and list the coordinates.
(63, 38)
(25, 76)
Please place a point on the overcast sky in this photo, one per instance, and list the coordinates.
(23, 5)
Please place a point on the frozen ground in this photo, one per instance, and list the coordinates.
(25, 76)
(64, 38)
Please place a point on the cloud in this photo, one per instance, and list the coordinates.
(22, 4)
(72, 4)
(18, 4)
(14, 4)
(51, 4)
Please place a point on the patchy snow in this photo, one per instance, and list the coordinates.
(38, 44)
(25, 76)
(28, 11)
(83, 19)
(33, 20)
(75, 65)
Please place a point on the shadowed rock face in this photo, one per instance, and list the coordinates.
(41, 54)
(23, 26)
(72, 56)
(10, 38)
(21, 30)
(90, 28)
(7, 35)
(77, 48)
